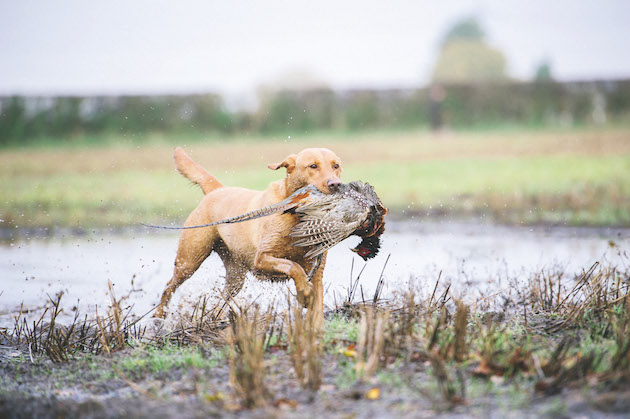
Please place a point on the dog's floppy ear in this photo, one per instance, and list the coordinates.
(289, 163)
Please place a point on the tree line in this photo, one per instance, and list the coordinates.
(543, 103)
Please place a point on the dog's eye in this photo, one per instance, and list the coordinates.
(313, 166)
(335, 166)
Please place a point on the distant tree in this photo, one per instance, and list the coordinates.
(467, 29)
(12, 120)
(296, 100)
(466, 57)
(543, 72)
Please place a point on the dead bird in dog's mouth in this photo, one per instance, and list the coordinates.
(326, 219)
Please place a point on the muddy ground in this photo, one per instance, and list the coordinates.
(96, 387)
(194, 381)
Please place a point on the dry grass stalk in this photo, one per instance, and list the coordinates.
(546, 290)
(460, 349)
(204, 324)
(402, 331)
(305, 347)
(559, 355)
(112, 331)
(437, 282)
(578, 285)
(371, 340)
(380, 284)
(447, 385)
(353, 285)
(109, 332)
(247, 348)
(440, 321)
(116, 318)
(31, 335)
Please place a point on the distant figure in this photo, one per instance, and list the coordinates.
(436, 97)
(599, 107)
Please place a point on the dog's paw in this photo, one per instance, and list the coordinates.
(305, 295)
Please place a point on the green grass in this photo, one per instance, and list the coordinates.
(339, 328)
(161, 360)
(574, 177)
(541, 183)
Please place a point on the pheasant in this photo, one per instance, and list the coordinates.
(327, 219)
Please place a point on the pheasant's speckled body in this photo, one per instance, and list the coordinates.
(327, 219)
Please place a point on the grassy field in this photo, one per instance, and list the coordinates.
(568, 177)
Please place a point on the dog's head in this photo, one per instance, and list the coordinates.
(319, 167)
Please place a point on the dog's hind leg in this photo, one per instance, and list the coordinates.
(194, 247)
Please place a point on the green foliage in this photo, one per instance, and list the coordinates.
(469, 61)
(469, 103)
(466, 29)
(288, 111)
(465, 57)
(339, 329)
(24, 119)
(347, 373)
(543, 72)
(159, 360)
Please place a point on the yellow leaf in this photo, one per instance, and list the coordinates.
(373, 393)
(350, 353)
(214, 397)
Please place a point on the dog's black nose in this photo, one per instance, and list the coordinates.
(333, 184)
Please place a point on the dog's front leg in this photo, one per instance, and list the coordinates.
(318, 295)
(270, 264)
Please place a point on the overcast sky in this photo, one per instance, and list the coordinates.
(149, 46)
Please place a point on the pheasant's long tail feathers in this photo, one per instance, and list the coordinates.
(298, 198)
(259, 213)
(263, 212)
(293, 201)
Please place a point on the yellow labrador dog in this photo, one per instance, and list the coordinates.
(261, 246)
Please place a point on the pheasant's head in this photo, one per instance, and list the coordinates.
(370, 245)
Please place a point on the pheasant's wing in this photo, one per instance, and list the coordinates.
(319, 219)
(320, 233)
(311, 231)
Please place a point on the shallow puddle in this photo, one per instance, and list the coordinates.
(471, 256)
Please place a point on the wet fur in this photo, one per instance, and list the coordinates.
(261, 246)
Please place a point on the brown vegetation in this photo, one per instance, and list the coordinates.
(553, 334)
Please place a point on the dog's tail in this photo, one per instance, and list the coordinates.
(195, 173)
